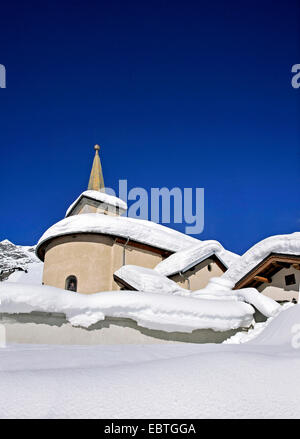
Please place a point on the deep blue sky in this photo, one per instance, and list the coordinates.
(188, 94)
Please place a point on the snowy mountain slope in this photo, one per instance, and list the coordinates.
(19, 263)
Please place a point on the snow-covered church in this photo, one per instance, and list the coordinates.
(85, 251)
(175, 288)
(95, 248)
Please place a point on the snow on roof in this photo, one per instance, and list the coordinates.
(188, 258)
(146, 279)
(143, 231)
(99, 196)
(152, 311)
(219, 288)
(283, 244)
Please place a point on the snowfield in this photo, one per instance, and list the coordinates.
(260, 379)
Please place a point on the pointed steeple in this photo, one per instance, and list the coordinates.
(96, 182)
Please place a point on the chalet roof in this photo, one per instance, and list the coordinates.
(267, 268)
(281, 246)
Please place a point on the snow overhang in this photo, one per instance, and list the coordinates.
(142, 232)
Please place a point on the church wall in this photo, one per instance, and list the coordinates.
(133, 256)
(106, 210)
(88, 257)
(198, 277)
(278, 290)
(93, 259)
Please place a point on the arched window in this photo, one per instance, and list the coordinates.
(71, 283)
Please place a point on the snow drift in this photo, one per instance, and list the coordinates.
(154, 311)
(220, 289)
(183, 381)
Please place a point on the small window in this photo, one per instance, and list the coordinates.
(290, 279)
(71, 283)
(209, 267)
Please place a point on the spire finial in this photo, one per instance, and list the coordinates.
(96, 182)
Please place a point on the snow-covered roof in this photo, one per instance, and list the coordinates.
(146, 279)
(219, 288)
(188, 258)
(283, 244)
(153, 311)
(143, 231)
(99, 196)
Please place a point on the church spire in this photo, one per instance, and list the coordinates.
(96, 182)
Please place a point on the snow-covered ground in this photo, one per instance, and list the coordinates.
(260, 379)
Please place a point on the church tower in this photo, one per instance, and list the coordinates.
(95, 200)
(96, 182)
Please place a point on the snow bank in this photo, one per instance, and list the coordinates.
(173, 381)
(33, 275)
(146, 279)
(284, 244)
(220, 289)
(279, 332)
(138, 230)
(185, 259)
(153, 311)
(99, 196)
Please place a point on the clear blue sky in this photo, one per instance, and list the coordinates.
(188, 94)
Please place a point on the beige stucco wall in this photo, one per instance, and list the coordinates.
(93, 259)
(278, 290)
(198, 277)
